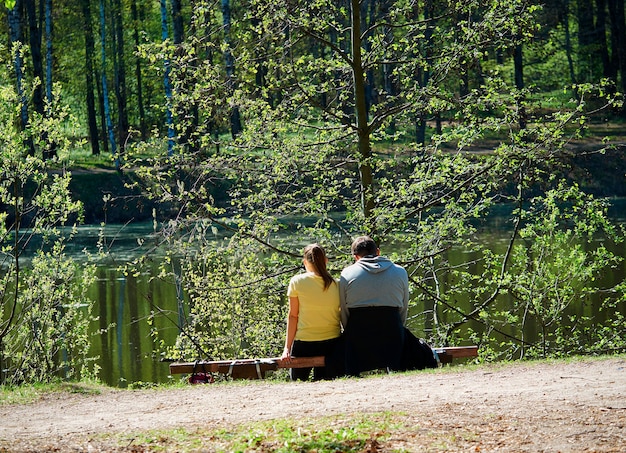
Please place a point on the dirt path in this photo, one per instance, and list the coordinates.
(551, 407)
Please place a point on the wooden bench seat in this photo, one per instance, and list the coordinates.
(257, 368)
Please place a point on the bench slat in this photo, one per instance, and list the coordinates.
(259, 366)
(447, 354)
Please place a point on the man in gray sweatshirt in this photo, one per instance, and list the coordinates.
(374, 294)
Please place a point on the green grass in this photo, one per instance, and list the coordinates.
(24, 394)
(345, 434)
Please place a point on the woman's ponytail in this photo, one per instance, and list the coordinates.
(315, 254)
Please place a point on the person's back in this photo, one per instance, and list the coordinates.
(374, 281)
(374, 295)
(318, 316)
(313, 323)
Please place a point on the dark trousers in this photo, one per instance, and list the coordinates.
(310, 349)
(374, 339)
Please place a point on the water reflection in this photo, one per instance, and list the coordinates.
(133, 313)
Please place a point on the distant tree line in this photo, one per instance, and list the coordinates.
(98, 52)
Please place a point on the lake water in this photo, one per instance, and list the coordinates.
(125, 308)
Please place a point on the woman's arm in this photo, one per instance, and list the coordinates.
(292, 326)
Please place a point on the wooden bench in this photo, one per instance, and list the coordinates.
(447, 354)
(257, 368)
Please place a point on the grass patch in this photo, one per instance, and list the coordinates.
(25, 394)
(356, 433)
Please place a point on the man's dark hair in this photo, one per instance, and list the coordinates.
(364, 246)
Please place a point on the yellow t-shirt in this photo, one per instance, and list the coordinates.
(319, 312)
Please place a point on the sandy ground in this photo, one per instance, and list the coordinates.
(522, 407)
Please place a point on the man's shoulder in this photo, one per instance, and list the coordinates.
(350, 269)
(400, 268)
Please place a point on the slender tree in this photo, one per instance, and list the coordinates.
(178, 24)
(108, 123)
(187, 113)
(618, 38)
(587, 52)
(117, 19)
(16, 37)
(88, 33)
(569, 52)
(518, 64)
(423, 71)
(35, 40)
(169, 120)
(601, 38)
(49, 60)
(235, 117)
(137, 21)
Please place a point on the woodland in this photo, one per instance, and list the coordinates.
(407, 120)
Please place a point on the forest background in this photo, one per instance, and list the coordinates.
(406, 120)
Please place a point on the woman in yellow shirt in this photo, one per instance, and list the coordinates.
(313, 323)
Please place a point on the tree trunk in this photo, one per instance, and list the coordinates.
(102, 134)
(363, 130)
(600, 37)
(568, 43)
(618, 30)
(105, 91)
(368, 8)
(235, 117)
(37, 58)
(169, 122)
(586, 31)
(613, 34)
(89, 75)
(387, 69)
(16, 38)
(35, 26)
(143, 128)
(48, 14)
(51, 149)
(518, 61)
(188, 113)
(424, 74)
(177, 21)
(120, 75)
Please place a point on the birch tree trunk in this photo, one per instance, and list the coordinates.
(167, 83)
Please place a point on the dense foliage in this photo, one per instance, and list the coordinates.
(255, 121)
(331, 147)
(44, 309)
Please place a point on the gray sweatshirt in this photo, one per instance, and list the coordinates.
(373, 281)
